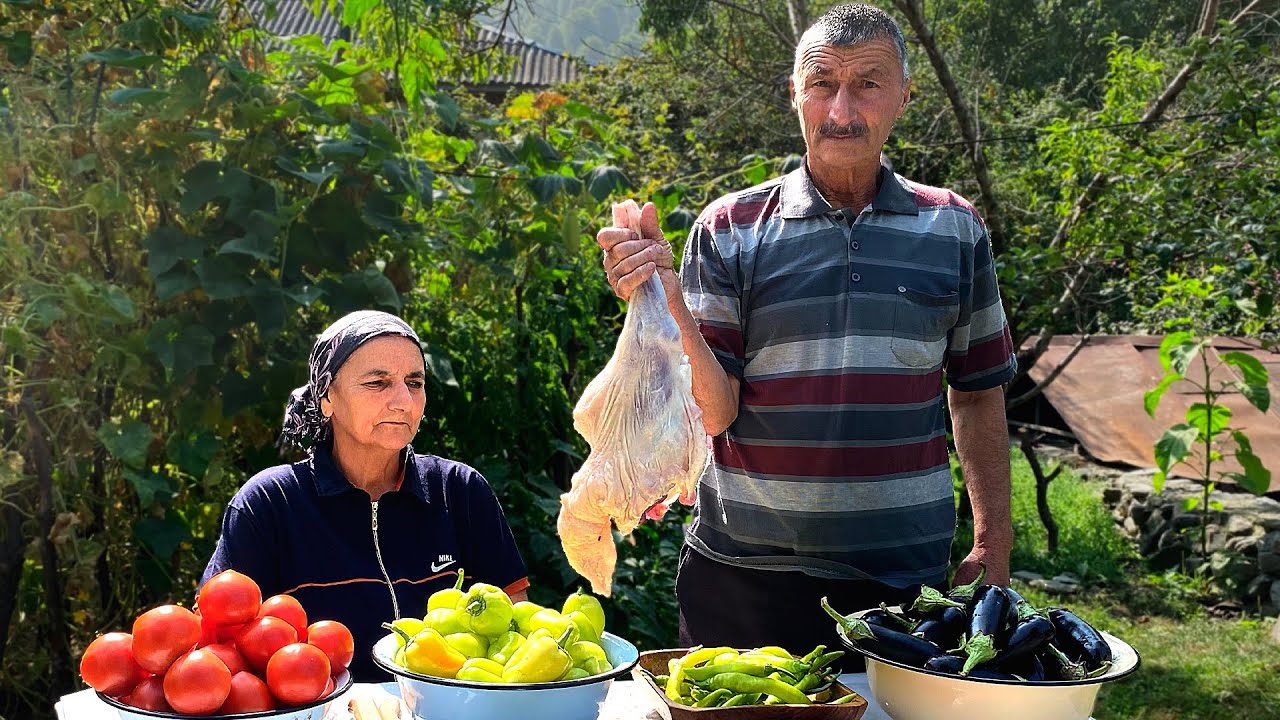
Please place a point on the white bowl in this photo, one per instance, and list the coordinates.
(311, 711)
(433, 698)
(910, 693)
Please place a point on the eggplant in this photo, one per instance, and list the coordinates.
(987, 626)
(1078, 640)
(931, 600)
(885, 642)
(1029, 668)
(989, 674)
(887, 619)
(950, 664)
(1030, 634)
(944, 628)
(1057, 666)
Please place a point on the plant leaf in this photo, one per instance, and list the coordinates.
(1190, 504)
(1256, 478)
(1254, 388)
(1152, 397)
(1174, 446)
(127, 441)
(1199, 417)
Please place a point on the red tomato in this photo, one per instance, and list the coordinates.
(287, 608)
(229, 598)
(208, 630)
(298, 674)
(108, 665)
(227, 634)
(229, 657)
(148, 695)
(335, 640)
(197, 683)
(162, 634)
(248, 694)
(260, 639)
(329, 687)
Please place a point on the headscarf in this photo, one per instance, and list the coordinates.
(304, 424)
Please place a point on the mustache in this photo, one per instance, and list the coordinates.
(829, 129)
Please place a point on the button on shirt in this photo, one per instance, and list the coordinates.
(840, 326)
(304, 530)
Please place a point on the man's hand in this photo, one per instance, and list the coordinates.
(996, 562)
(629, 259)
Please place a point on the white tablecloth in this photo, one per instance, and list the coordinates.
(627, 700)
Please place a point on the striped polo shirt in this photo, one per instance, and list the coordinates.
(841, 326)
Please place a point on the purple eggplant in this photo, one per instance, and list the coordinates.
(1058, 666)
(885, 642)
(987, 626)
(950, 664)
(884, 617)
(1078, 640)
(1032, 631)
(944, 628)
(1028, 668)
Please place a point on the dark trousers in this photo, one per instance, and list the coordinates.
(747, 608)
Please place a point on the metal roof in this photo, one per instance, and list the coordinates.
(534, 67)
(1099, 396)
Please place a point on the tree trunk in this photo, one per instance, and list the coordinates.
(1042, 491)
(12, 542)
(914, 12)
(798, 15)
(60, 679)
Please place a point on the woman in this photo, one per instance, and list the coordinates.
(364, 529)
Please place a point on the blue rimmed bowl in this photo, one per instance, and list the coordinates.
(433, 698)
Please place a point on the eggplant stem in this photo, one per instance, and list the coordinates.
(855, 628)
(981, 648)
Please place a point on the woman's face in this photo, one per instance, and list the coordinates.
(377, 398)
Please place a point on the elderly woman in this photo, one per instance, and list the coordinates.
(364, 529)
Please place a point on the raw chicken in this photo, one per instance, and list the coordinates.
(648, 446)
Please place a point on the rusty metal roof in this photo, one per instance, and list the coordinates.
(534, 67)
(1099, 396)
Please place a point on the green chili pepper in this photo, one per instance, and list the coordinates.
(723, 658)
(576, 673)
(661, 680)
(742, 699)
(813, 654)
(741, 683)
(758, 668)
(775, 651)
(485, 610)
(541, 658)
(502, 647)
(447, 598)
(714, 698)
(469, 644)
(481, 670)
(587, 604)
(845, 699)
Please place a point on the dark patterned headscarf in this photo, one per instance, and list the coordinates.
(304, 424)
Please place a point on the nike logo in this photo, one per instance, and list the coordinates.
(437, 567)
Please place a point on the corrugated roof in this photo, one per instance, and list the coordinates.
(1099, 396)
(534, 67)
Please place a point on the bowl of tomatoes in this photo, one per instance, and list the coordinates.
(236, 656)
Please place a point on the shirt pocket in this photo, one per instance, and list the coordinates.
(921, 322)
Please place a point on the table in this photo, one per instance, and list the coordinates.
(627, 700)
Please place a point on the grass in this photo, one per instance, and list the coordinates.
(1194, 666)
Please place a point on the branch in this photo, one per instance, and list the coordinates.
(914, 12)
(1179, 83)
(1053, 375)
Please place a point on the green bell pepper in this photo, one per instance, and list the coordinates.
(586, 628)
(587, 604)
(447, 598)
(520, 614)
(541, 659)
(503, 646)
(469, 644)
(485, 610)
(445, 621)
(481, 670)
(554, 623)
(590, 657)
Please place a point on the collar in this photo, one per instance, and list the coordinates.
(801, 198)
(330, 481)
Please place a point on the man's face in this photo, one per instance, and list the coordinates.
(848, 99)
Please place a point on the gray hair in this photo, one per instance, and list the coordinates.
(848, 25)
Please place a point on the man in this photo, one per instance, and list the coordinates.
(820, 313)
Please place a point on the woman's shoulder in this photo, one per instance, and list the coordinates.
(278, 482)
(444, 470)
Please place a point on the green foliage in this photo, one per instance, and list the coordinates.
(1201, 441)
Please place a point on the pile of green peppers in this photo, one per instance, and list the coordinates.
(479, 635)
(725, 677)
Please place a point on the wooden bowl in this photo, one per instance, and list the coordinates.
(654, 662)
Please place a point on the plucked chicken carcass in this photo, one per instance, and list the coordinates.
(648, 447)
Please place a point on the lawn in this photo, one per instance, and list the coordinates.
(1194, 666)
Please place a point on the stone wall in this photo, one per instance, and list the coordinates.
(1243, 536)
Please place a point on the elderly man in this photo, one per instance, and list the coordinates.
(821, 311)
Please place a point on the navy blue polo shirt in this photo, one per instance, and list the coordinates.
(304, 530)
